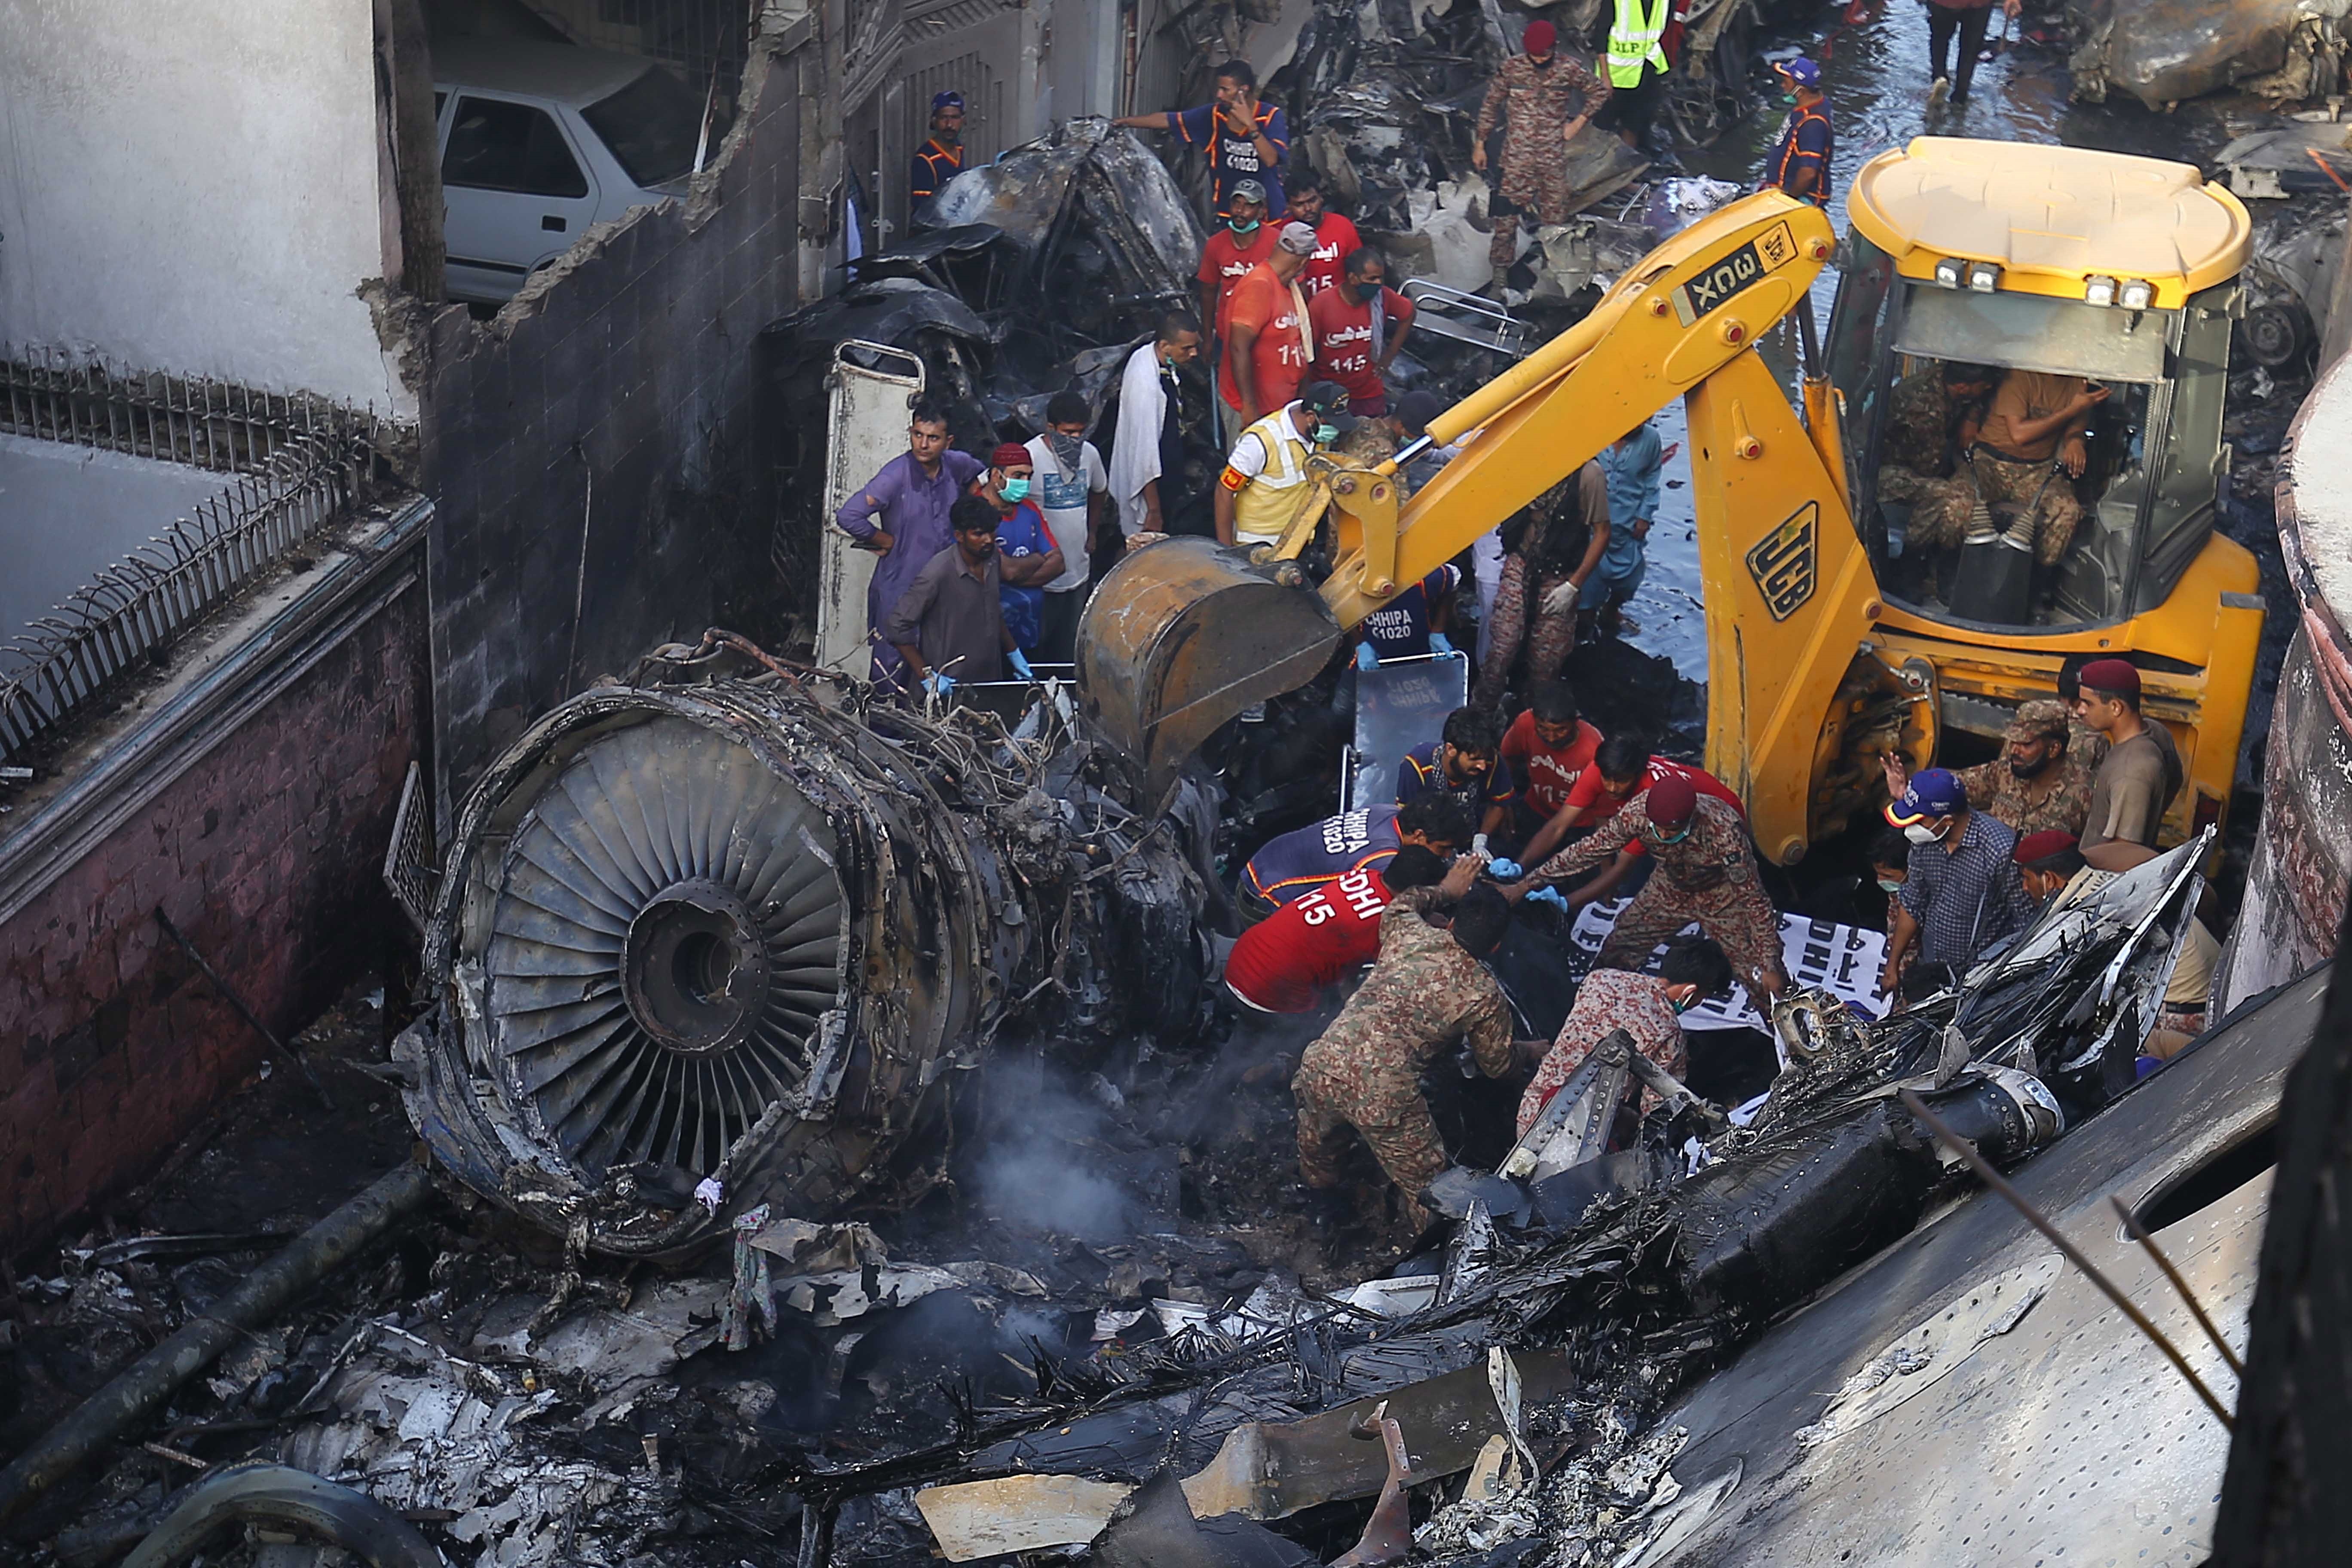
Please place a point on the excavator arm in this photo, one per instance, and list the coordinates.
(1183, 635)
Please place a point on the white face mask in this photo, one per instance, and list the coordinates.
(1920, 833)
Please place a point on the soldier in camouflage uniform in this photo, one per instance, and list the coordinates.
(2027, 453)
(1648, 1007)
(1544, 100)
(1562, 544)
(1930, 411)
(1428, 989)
(1705, 872)
(2037, 784)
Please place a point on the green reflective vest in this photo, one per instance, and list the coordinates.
(1634, 42)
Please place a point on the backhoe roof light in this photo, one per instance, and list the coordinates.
(2137, 294)
(1983, 277)
(2099, 290)
(1948, 272)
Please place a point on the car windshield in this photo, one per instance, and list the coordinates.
(651, 125)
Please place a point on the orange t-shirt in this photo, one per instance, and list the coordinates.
(1278, 356)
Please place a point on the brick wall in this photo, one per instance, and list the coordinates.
(266, 852)
(604, 420)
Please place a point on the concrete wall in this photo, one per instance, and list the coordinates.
(265, 852)
(193, 186)
(598, 484)
(2301, 865)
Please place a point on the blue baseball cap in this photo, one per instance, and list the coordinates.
(1802, 71)
(946, 100)
(1934, 793)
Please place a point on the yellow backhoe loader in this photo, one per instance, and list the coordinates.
(2027, 259)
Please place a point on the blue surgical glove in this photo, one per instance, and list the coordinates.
(1551, 896)
(1020, 665)
(1440, 643)
(939, 685)
(1504, 870)
(1367, 656)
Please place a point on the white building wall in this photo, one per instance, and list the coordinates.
(194, 186)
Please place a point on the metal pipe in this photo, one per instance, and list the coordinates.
(281, 1494)
(140, 1390)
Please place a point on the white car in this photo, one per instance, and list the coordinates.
(541, 140)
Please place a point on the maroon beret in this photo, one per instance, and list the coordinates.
(2113, 676)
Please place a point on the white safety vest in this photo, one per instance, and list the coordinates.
(1634, 42)
(1263, 509)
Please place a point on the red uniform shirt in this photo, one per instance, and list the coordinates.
(1336, 239)
(1282, 963)
(1225, 261)
(1343, 338)
(1546, 773)
(1597, 806)
(1279, 356)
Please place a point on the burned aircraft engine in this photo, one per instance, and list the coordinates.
(709, 938)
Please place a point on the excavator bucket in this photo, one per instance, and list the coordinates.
(1184, 634)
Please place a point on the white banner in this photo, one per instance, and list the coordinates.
(1841, 959)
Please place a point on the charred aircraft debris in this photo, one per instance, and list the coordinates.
(725, 959)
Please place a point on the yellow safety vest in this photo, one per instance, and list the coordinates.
(1263, 509)
(1634, 42)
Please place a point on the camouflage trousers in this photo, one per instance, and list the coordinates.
(1548, 644)
(1546, 196)
(1737, 916)
(1940, 515)
(1388, 1112)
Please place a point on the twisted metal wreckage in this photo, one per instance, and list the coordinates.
(711, 950)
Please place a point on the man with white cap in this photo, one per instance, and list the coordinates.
(1267, 342)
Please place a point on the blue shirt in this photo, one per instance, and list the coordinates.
(1805, 143)
(1296, 864)
(1421, 773)
(1023, 534)
(1632, 471)
(1399, 629)
(1233, 158)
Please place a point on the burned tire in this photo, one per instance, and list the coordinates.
(2275, 335)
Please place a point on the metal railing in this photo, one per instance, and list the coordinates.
(51, 396)
(62, 662)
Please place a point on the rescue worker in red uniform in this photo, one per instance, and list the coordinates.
(1295, 864)
(1336, 239)
(1285, 962)
(1357, 328)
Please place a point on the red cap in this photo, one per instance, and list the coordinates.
(2113, 676)
(1539, 37)
(1012, 455)
(2036, 848)
(1672, 799)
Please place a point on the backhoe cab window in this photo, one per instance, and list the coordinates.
(2031, 462)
